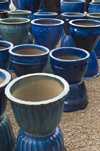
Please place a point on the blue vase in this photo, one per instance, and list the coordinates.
(72, 6)
(42, 7)
(4, 5)
(15, 2)
(66, 40)
(28, 58)
(94, 7)
(14, 30)
(85, 34)
(52, 142)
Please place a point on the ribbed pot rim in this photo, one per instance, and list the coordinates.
(95, 3)
(60, 22)
(69, 14)
(77, 1)
(26, 46)
(7, 78)
(93, 15)
(5, 21)
(73, 23)
(45, 14)
(22, 12)
(58, 78)
(71, 48)
(5, 42)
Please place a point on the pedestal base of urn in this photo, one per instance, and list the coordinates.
(52, 142)
(93, 67)
(66, 41)
(7, 139)
(77, 98)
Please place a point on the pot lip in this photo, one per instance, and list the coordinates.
(45, 13)
(69, 14)
(93, 15)
(94, 3)
(3, 11)
(33, 22)
(19, 12)
(69, 61)
(72, 23)
(7, 79)
(28, 46)
(69, 2)
(15, 100)
(5, 21)
(6, 42)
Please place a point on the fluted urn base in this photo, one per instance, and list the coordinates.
(7, 139)
(77, 98)
(52, 142)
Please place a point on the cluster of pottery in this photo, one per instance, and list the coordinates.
(38, 98)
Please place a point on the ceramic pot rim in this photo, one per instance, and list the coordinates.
(92, 15)
(5, 42)
(21, 12)
(7, 78)
(33, 22)
(3, 11)
(77, 1)
(5, 21)
(72, 23)
(72, 48)
(4, 2)
(61, 95)
(45, 13)
(28, 46)
(69, 14)
(95, 3)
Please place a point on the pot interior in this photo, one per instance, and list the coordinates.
(1, 80)
(69, 58)
(40, 90)
(29, 51)
(2, 47)
(47, 23)
(86, 24)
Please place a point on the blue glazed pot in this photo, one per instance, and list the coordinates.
(5, 78)
(95, 16)
(94, 7)
(32, 5)
(37, 99)
(66, 40)
(28, 58)
(45, 15)
(4, 54)
(53, 142)
(72, 6)
(15, 2)
(42, 7)
(69, 65)
(4, 5)
(47, 32)
(85, 34)
(14, 30)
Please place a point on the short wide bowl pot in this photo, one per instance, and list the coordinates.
(37, 101)
(4, 54)
(47, 32)
(14, 30)
(69, 63)
(5, 78)
(28, 58)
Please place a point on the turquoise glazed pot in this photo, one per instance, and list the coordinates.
(72, 6)
(53, 142)
(66, 40)
(22, 14)
(95, 16)
(37, 99)
(28, 58)
(14, 30)
(4, 54)
(94, 7)
(85, 34)
(47, 32)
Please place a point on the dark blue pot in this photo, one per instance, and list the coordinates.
(7, 138)
(72, 6)
(86, 37)
(6, 77)
(52, 142)
(95, 16)
(4, 5)
(66, 40)
(4, 54)
(30, 61)
(45, 15)
(48, 34)
(94, 7)
(32, 5)
(15, 2)
(68, 68)
(77, 98)
(14, 30)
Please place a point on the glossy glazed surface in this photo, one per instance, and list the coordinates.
(4, 5)
(94, 7)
